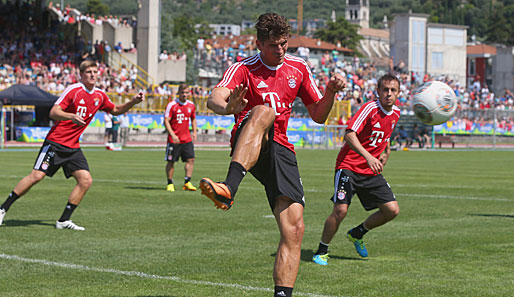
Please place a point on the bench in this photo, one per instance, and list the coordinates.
(444, 139)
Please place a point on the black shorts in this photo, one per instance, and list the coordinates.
(53, 156)
(372, 190)
(277, 170)
(179, 150)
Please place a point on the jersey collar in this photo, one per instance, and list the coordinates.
(383, 110)
(180, 102)
(88, 91)
(274, 68)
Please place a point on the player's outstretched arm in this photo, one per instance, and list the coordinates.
(58, 114)
(122, 108)
(320, 110)
(224, 101)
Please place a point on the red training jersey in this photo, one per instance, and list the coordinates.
(78, 100)
(276, 87)
(373, 125)
(180, 114)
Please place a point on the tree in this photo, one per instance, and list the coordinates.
(340, 31)
(97, 7)
(497, 29)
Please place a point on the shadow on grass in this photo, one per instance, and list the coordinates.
(19, 223)
(307, 255)
(146, 188)
(492, 215)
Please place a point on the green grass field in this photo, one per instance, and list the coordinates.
(453, 237)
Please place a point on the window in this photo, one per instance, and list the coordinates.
(471, 70)
(435, 36)
(454, 37)
(437, 60)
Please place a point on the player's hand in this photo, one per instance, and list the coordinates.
(383, 159)
(337, 83)
(175, 139)
(236, 101)
(140, 97)
(76, 119)
(375, 165)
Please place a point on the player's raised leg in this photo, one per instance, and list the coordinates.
(253, 134)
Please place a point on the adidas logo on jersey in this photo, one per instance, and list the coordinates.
(377, 125)
(262, 85)
(82, 101)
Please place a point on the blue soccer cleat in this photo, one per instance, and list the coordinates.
(320, 259)
(359, 245)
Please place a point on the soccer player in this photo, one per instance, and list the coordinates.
(358, 169)
(178, 114)
(72, 112)
(260, 91)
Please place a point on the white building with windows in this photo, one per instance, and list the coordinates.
(226, 29)
(436, 49)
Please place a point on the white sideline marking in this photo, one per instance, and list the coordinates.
(146, 275)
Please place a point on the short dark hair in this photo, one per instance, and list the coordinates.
(387, 77)
(182, 87)
(271, 25)
(86, 64)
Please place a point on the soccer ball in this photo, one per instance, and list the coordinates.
(434, 103)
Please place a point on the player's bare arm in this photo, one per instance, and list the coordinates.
(58, 114)
(351, 139)
(119, 109)
(385, 154)
(167, 124)
(320, 110)
(193, 125)
(225, 101)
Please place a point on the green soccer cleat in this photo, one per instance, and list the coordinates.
(359, 245)
(320, 259)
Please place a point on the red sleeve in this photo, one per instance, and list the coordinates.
(107, 104)
(308, 91)
(358, 121)
(65, 99)
(233, 76)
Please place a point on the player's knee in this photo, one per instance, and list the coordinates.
(85, 182)
(263, 114)
(36, 176)
(297, 230)
(339, 213)
(393, 212)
